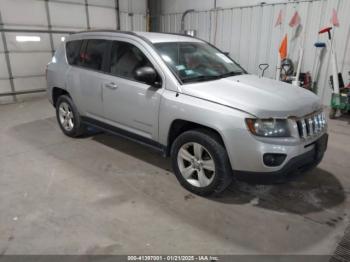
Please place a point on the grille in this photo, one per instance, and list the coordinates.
(311, 125)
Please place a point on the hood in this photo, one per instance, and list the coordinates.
(261, 97)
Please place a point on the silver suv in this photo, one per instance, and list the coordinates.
(187, 99)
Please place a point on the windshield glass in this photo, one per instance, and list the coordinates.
(195, 62)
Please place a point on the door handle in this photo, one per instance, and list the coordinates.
(112, 85)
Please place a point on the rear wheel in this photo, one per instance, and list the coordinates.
(68, 117)
(201, 163)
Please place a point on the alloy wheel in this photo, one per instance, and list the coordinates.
(66, 116)
(196, 164)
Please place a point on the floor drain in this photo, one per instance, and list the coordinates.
(342, 252)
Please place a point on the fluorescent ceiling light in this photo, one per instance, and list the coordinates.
(21, 38)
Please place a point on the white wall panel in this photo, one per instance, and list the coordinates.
(67, 15)
(203, 25)
(236, 34)
(224, 32)
(109, 3)
(125, 21)
(1, 44)
(345, 67)
(236, 3)
(71, 1)
(6, 100)
(179, 6)
(29, 59)
(218, 25)
(97, 13)
(254, 39)
(4, 88)
(23, 12)
(312, 36)
(27, 64)
(274, 38)
(133, 23)
(325, 91)
(30, 83)
(135, 6)
(250, 36)
(245, 37)
(14, 45)
(3, 66)
(140, 22)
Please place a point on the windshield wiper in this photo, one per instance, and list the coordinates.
(208, 78)
(233, 73)
(199, 79)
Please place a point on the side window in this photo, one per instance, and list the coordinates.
(92, 58)
(126, 59)
(73, 51)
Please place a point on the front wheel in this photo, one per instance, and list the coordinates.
(201, 163)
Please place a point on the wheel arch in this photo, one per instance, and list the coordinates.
(179, 126)
(56, 93)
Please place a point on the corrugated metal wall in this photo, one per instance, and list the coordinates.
(22, 64)
(248, 33)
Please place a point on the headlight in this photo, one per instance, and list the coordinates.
(268, 127)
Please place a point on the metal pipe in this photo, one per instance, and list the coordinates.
(148, 29)
(26, 92)
(44, 31)
(7, 57)
(87, 15)
(48, 17)
(183, 19)
(250, 6)
(117, 12)
(22, 77)
(77, 3)
(27, 51)
(131, 15)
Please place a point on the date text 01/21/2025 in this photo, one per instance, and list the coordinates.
(173, 258)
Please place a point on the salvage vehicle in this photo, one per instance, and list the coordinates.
(184, 97)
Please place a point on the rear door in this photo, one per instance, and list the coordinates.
(87, 77)
(92, 77)
(73, 51)
(128, 103)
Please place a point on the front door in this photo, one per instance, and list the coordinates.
(129, 104)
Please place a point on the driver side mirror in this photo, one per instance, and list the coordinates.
(147, 75)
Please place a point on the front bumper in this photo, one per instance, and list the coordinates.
(300, 163)
(246, 151)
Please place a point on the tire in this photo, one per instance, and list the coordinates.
(73, 126)
(213, 163)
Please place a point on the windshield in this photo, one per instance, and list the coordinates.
(195, 62)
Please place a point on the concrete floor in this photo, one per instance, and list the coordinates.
(106, 195)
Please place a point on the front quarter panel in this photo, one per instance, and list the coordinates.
(223, 119)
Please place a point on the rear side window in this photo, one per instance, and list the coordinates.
(93, 56)
(73, 51)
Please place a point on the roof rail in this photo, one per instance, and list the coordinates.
(106, 31)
